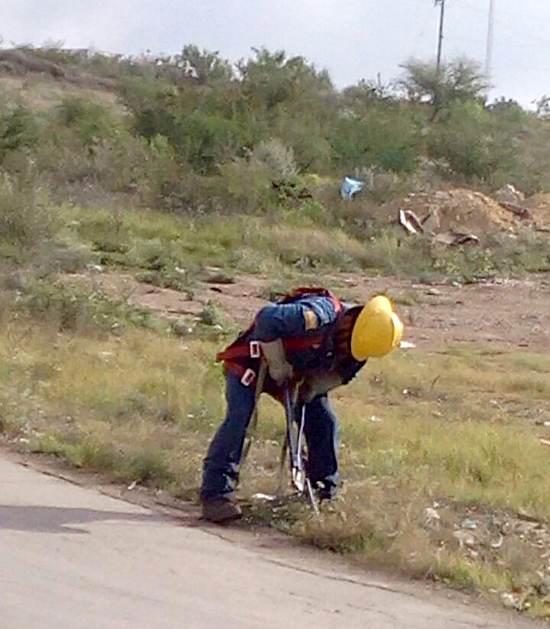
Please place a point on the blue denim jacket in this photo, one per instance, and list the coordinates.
(288, 320)
(281, 321)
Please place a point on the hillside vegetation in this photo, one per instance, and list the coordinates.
(193, 132)
(269, 137)
(183, 170)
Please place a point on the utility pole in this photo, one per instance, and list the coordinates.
(490, 37)
(440, 37)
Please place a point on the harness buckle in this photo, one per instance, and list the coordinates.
(255, 351)
(248, 377)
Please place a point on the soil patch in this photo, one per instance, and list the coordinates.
(501, 314)
(539, 206)
(458, 210)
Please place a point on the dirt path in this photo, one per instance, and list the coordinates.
(73, 558)
(505, 314)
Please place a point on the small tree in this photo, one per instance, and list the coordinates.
(461, 79)
(543, 107)
(361, 96)
(18, 127)
(204, 66)
(272, 78)
(464, 135)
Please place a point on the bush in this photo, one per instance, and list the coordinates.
(18, 128)
(26, 217)
(278, 159)
(247, 182)
(464, 137)
(91, 122)
(74, 308)
(384, 185)
(86, 155)
(386, 135)
(267, 175)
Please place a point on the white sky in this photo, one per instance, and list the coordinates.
(353, 39)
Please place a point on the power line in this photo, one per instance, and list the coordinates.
(513, 28)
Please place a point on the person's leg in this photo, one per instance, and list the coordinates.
(322, 435)
(221, 465)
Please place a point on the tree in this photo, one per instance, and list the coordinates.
(543, 107)
(465, 136)
(204, 66)
(272, 78)
(461, 79)
(361, 96)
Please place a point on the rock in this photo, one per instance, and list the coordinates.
(432, 517)
(464, 538)
(509, 194)
(471, 525)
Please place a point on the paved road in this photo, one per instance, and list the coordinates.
(73, 558)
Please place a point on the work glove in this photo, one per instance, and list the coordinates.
(279, 368)
(319, 384)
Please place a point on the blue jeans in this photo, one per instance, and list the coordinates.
(221, 465)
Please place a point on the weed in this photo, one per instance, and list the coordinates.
(147, 466)
(25, 213)
(69, 307)
(406, 299)
(210, 315)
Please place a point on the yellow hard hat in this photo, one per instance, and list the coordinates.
(377, 330)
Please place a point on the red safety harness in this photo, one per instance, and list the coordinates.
(242, 356)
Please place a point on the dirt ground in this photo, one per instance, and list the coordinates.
(539, 206)
(502, 314)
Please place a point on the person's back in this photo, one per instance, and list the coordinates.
(311, 342)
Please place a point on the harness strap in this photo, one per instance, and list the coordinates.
(246, 375)
(252, 349)
(253, 425)
(243, 347)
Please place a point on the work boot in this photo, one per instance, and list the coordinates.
(325, 491)
(221, 510)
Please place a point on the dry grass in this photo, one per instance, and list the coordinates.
(454, 432)
(43, 93)
(308, 246)
(140, 408)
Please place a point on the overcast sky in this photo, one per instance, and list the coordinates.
(353, 39)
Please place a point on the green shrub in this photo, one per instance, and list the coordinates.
(248, 183)
(26, 216)
(386, 135)
(464, 137)
(278, 159)
(147, 466)
(89, 120)
(18, 128)
(87, 155)
(74, 308)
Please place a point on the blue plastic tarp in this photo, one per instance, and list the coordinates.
(350, 187)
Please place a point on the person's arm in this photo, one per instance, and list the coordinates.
(319, 384)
